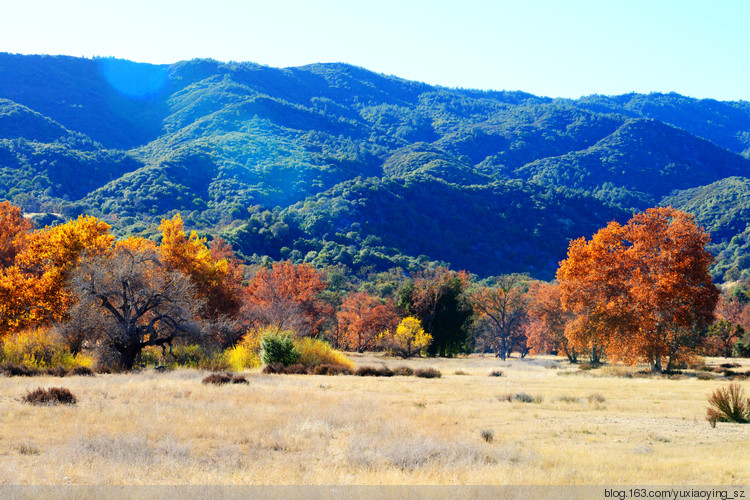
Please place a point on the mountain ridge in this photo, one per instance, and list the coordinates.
(295, 162)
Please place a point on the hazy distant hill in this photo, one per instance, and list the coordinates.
(333, 164)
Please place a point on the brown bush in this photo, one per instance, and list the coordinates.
(217, 379)
(82, 371)
(403, 371)
(51, 396)
(58, 371)
(496, 373)
(239, 379)
(271, 368)
(18, 370)
(428, 373)
(297, 369)
(374, 371)
(331, 370)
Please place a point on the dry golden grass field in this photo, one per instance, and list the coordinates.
(584, 427)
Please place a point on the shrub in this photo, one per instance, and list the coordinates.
(314, 352)
(460, 372)
(728, 405)
(704, 376)
(496, 373)
(278, 348)
(224, 378)
(374, 371)
(215, 362)
(297, 369)
(82, 371)
(428, 373)
(331, 370)
(51, 396)
(273, 368)
(506, 397)
(18, 370)
(587, 366)
(403, 371)
(488, 435)
(217, 379)
(40, 347)
(523, 397)
(58, 371)
(569, 399)
(596, 398)
(246, 354)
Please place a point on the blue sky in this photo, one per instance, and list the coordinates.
(553, 48)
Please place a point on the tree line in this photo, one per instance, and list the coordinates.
(638, 292)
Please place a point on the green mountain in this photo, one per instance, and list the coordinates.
(333, 164)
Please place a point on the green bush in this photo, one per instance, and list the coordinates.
(278, 348)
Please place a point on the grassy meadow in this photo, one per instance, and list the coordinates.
(582, 427)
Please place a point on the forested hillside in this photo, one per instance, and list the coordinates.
(333, 164)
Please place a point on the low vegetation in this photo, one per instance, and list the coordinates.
(580, 428)
(51, 396)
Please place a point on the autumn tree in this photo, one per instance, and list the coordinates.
(732, 318)
(361, 318)
(14, 229)
(505, 306)
(129, 300)
(438, 298)
(286, 297)
(215, 273)
(34, 289)
(548, 321)
(642, 291)
(407, 340)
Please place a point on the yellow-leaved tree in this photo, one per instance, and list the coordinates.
(214, 272)
(408, 340)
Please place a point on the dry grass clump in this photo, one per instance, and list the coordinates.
(596, 398)
(488, 435)
(523, 397)
(411, 454)
(505, 397)
(460, 372)
(728, 404)
(496, 373)
(427, 373)
(51, 396)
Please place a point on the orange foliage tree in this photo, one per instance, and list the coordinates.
(34, 289)
(215, 273)
(642, 291)
(286, 297)
(361, 318)
(13, 231)
(548, 321)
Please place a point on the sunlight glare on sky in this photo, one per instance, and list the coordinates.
(552, 48)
